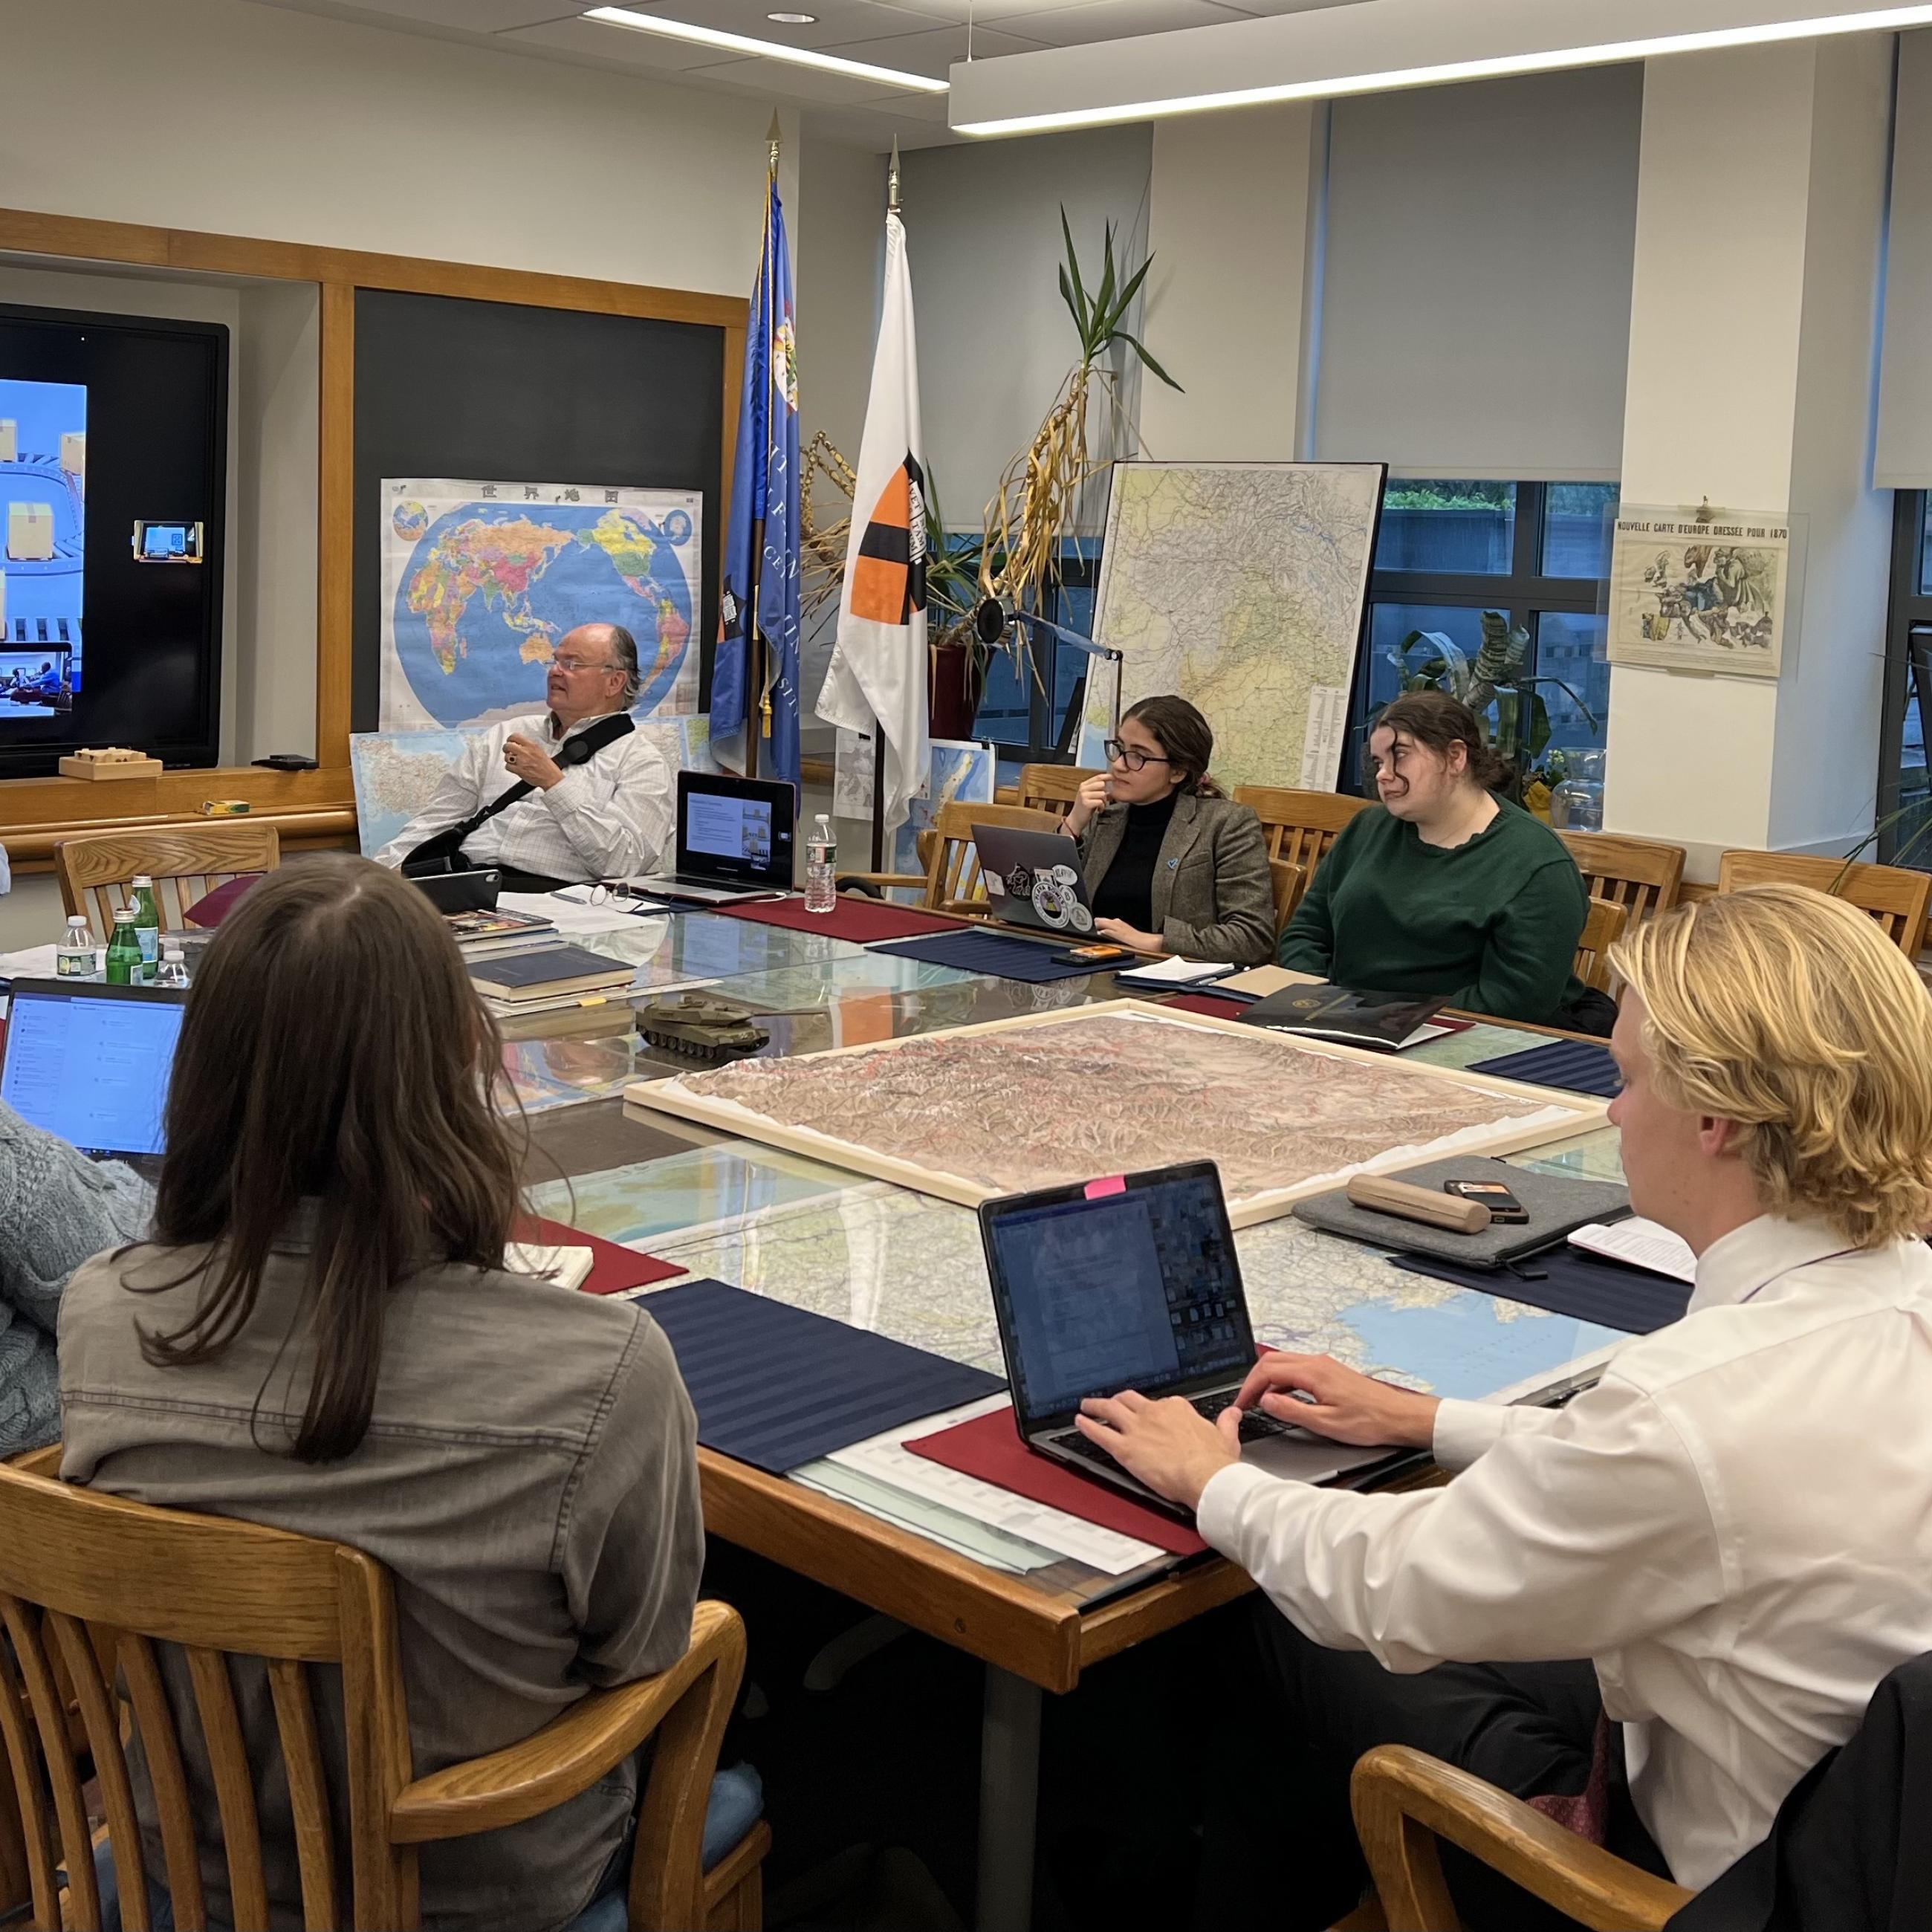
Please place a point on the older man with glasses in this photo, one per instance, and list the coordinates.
(604, 815)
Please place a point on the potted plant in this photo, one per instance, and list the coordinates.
(1495, 685)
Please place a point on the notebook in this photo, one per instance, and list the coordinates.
(546, 971)
(1640, 1243)
(1382, 1022)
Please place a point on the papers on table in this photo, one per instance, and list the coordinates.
(32, 962)
(571, 910)
(884, 1459)
(1174, 972)
(1640, 1243)
(568, 1268)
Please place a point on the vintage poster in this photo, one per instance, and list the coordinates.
(1699, 590)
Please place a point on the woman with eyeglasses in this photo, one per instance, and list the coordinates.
(1448, 890)
(1172, 864)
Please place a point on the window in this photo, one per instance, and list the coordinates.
(1029, 695)
(1904, 796)
(1538, 553)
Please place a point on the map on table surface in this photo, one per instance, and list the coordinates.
(396, 773)
(1118, 1088)
(481, 581)
(1242, 586)
(913, 1268)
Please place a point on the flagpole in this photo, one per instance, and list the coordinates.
(757, 700)
(878, 724)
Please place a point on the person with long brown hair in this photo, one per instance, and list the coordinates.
(1448, 890)
(1172, 864)
(320, 1335)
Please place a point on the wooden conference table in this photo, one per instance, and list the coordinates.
(867, 1252)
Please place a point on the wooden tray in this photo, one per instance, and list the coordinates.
(119, 768)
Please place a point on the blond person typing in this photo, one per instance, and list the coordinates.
(1692, 1578)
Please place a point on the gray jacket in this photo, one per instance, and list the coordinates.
(1213, 895)
(529, 1477)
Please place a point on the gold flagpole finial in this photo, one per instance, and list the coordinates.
(892, 180)
(773, 136)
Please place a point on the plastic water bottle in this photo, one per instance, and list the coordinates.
(147, 925)
(124, 951)
(172, 971)
(821, 859)
(73, 958)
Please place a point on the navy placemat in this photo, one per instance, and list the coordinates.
(1000, 955)
(1579, 1066)
(775, 1386)
(1581, 1285)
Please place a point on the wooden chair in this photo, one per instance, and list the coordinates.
(951, 882)
(1602, 929)
(1642, 875)
(1051, 787)
(1288, 883)
(1404, 1800)
(1894, 896)
(1299, 825)
(91, 1583)
(185, 862)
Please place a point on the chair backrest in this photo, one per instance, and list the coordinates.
(1051, 787)
(1893, 895)
(97, 869)
(1300, 827)
(91, 1584)
(1601, 931)
(1642, 875)
(1288, 883)
(952, 881)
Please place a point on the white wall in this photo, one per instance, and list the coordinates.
(983, 240)
(252, 120)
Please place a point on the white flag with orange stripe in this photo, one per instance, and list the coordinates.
(878, 669)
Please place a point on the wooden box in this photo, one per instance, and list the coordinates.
(78, 766)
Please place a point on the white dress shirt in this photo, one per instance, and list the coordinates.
(606, 819)
(1735, 1524)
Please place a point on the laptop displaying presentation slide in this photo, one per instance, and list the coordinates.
(1132, 1282)
(734, 839)
(91, 1062)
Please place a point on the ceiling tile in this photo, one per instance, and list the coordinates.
(1120, 20)
(838, 22)
(805, 84)
(614, 46)
(935, 49)
(475, 17)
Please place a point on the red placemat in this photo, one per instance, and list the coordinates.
(1206, 1003)
(990, 1448)
(613, 1268)
(860, 920)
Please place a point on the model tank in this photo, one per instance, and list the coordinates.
(699, 1028)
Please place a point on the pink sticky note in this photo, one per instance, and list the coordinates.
(1107, 1183)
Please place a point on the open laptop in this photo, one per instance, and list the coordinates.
(91, 1062)
(1131, 1282)
(734, 840)
(1033, 878)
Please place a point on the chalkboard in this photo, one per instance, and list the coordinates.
(496, 392)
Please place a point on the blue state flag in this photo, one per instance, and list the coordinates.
(762, 537)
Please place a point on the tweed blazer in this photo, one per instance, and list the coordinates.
(1213, 896)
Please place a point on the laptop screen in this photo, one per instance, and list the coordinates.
(736, 831)
(91, 1063)
(1138, 1288)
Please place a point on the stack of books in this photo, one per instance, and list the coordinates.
(481, 934)
(547, 978)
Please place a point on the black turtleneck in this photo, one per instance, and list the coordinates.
(1127, 891)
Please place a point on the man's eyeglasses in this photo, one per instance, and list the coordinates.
(1119, 751)
(582, 664)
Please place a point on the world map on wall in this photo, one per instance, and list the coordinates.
(481, 581)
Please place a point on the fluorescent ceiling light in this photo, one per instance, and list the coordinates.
(1372, 46)
(743, 44)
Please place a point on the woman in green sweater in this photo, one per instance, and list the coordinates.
(1448, 890)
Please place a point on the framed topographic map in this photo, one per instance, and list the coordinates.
(480, 581)
(1243, 586)
(1116, 1088)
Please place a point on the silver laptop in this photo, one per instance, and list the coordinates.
(734, 840)
(1033, 878)
(1132, 1282)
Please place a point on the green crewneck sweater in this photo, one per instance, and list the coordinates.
(1491, 926)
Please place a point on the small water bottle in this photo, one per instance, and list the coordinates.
(172, 971)
(821, 859)
(73, 958)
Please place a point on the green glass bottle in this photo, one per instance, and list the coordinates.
(147, 926)
(124, 951)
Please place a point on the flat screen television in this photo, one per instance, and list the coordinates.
(113, 485)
